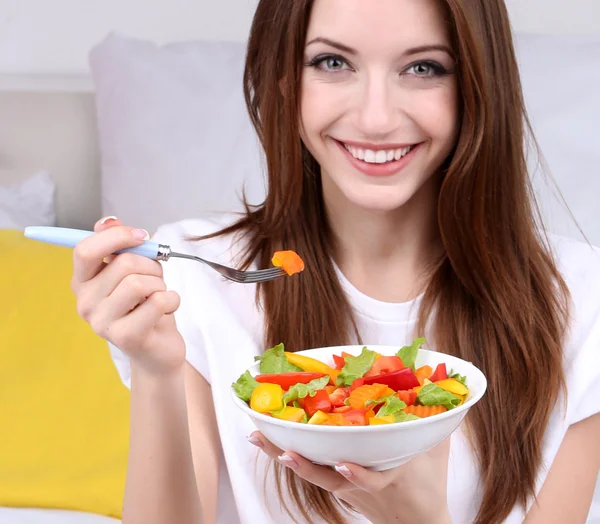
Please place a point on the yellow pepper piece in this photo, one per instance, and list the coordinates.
(376, 421)
(267, 397)
(290, 413)
(453, 386)
(312, 365)
(319, 418)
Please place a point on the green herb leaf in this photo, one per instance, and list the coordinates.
(356, 367)
(274, 361)
(244, 386)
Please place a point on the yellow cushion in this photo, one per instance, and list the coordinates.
(63, 410)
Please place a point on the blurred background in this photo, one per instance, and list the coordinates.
(134, 108)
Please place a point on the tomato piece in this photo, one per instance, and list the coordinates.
(320, 402)
(385, 365)
(287, 380)
(342, 409)
(338, 396)
(356, 384)
(398, 380)
(356, 417)
(440, 373)
(408, 397)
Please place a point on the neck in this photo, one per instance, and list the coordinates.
(386, 254)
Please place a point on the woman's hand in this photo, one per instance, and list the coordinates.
(413, 492)
(126, 300)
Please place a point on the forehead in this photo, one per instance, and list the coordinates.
(379, 26)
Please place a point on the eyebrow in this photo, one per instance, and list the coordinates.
(408, 52)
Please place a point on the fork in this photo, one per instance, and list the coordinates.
(67, 237)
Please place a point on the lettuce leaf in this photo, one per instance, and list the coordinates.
(404, 417)
(408, 354)
(303, 390)
(356, 367)
(461, 378)
(274, 361)
(244, 386)
(391, 405)
(433, 395)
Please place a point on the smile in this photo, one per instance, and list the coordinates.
(379, 156)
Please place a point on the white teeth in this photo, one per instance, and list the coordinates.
(378, 157)
(370, 156)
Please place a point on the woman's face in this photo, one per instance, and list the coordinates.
(379, 107)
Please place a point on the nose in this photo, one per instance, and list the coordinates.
(376, 112)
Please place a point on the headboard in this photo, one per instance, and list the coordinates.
(167, 127)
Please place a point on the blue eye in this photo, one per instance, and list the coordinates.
(427, 69)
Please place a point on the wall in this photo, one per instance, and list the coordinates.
(41, 36)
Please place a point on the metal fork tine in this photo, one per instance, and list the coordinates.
(236, 275)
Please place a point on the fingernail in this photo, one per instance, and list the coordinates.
(343, 470)
(256, 442)
(140, 234)
(107, 219)
(288, 461)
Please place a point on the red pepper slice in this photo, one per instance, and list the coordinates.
(385, 365)
(339, 361)
(320, 402)
(356, 384)
(440, 373)
(398, 380)
(287, 380)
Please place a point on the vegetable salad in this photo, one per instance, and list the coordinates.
(364, 390)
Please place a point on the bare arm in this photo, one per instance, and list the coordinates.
(161, 478)
(567, 494)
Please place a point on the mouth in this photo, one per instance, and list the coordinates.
(379, 161)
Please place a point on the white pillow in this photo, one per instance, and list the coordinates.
(176, 141)
(30, 203)
(175, 138)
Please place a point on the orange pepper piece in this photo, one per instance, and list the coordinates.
(289, 261)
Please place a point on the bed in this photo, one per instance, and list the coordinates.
(161, 134)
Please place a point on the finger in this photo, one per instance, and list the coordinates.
(375, 481)
(103, 224)
(140, 323)
(89, 254)
(106, 222)
(321, 476)
(96, 290)
(133, 290)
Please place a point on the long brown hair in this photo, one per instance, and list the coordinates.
(499, 299)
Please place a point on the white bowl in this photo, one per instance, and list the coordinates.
(377, 447)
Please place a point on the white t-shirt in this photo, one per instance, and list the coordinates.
(222, 327)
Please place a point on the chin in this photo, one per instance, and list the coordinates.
(378, 199)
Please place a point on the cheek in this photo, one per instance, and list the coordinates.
(436, 112)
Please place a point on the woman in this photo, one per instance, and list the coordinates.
(394, 143)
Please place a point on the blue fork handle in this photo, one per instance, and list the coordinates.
(62, 236)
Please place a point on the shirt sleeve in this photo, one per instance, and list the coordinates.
(583, 379)
(175, 279)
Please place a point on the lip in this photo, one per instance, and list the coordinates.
(378, 170)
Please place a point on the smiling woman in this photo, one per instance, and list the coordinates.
(382, 129)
